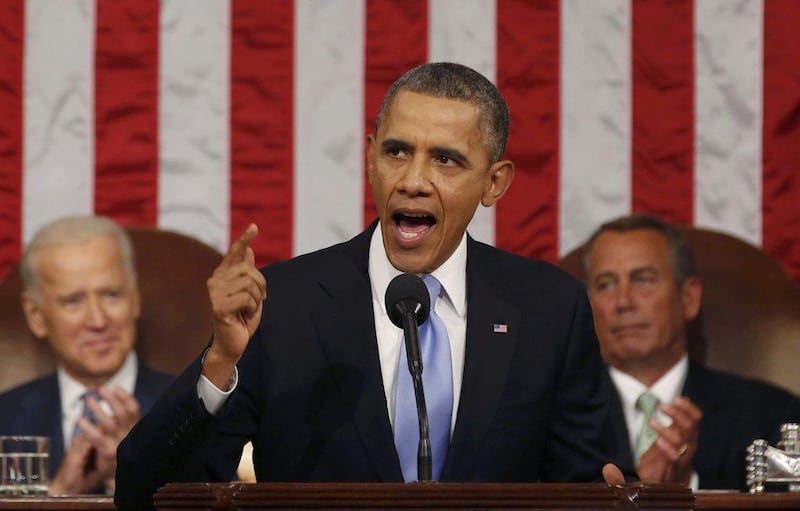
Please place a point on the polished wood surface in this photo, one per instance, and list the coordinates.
(46, 503)
(231, 496)
(719, 501)
(200, 496)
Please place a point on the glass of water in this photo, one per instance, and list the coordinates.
(24, 464)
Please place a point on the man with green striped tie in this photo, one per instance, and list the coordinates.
(683, 422)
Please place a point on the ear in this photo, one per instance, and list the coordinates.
(34, 316)
(692, 296)
(500, 176)
(370, 157)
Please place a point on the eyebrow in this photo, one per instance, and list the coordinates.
(393, 143)
(644, 269)
(447, 152)
(604, 275)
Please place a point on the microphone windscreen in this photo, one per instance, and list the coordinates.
(407, 292)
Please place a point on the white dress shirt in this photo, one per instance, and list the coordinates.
(72, 390)
(451, 307)
(666, 389)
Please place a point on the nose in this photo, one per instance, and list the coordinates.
(623, 297)
(96, 315)
(416, 179)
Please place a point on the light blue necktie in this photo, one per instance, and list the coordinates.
(437, 380)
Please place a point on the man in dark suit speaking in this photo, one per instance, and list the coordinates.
(306, 362)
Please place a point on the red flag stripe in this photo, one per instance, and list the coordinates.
(262, 125)
(781, 134)
(396, 41)
(663, 109)
(528, 75)
(126, 111)
(12, 28)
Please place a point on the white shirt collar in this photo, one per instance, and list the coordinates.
(452, 274)
(72, 390)
(667, 388)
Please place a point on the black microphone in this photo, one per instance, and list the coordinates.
(408, 304)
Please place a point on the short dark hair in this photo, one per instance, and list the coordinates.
(455, 81)
(681, 255)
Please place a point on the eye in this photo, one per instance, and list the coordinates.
(644, 279)
(603, 285)
(112, 294)
(397, 152)
(450, 160)
(71, 301)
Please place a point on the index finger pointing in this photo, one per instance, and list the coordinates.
(238, 250)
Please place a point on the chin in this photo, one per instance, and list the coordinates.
(407, 263)
(409, 268)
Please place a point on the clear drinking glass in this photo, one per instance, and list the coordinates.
(24, 465)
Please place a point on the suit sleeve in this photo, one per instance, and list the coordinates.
(581, 436)
(179, 441)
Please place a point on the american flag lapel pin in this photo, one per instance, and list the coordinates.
(500, 328)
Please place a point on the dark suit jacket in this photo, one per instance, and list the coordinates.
(736, 411)
(34, 408)
(533, 405)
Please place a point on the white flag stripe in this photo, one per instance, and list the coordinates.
(194, 140)
(58, 177)
(728, 66)
(595, 117)
(464, 31)
(594, 53)
(329, 123)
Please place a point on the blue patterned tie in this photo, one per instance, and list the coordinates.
(437, 380)
(87, 412)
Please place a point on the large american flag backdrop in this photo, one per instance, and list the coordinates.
(201, 116)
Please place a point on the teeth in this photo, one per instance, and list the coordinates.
(408, 235)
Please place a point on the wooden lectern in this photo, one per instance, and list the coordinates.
(575, 497)
(584, 496)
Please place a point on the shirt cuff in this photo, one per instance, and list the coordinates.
(694, 482)
(213, 398)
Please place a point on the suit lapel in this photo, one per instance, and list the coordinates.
(618, 425)
(346, 326)
(492, 329)
(44, 409)
(696, 384)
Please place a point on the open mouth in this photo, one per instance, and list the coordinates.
(412, 226)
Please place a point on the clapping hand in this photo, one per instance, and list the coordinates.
(92, 457)
(669, 459)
